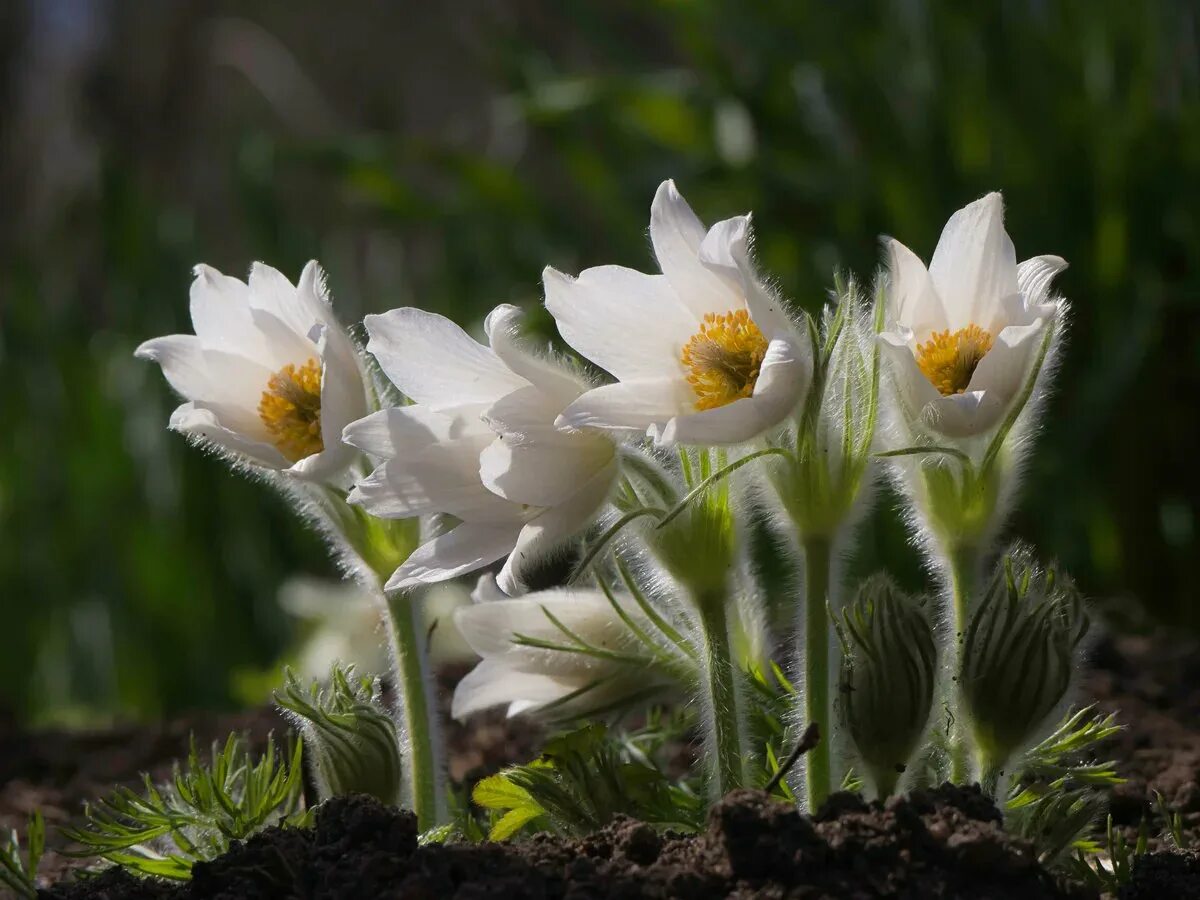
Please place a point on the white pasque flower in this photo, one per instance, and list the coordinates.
(531, 678)
(963, 334)
(702, 354)
(270, 376)
(479, 444)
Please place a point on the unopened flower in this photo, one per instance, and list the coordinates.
(1019, 655)
(702, 354)
(562, 653)
(270, 377)
(889, 672)
(479, 444)
(348, 735)
(964, 334)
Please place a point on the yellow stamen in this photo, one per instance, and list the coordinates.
(724, 358)
(949, 360)
(291, 410)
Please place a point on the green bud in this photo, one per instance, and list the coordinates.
(889, 670)
(1019, 656)
(347, 733)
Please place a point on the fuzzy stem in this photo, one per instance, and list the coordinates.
(963, 560)
(722, 722)
(817, 705)
(421, 733)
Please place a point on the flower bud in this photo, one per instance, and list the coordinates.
(1019, 655)
(348, 735)
(889, 669)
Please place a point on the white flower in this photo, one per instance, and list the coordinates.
(963, 335)
(702, 354)
(479, 444)
(529, 679)
(269, 376)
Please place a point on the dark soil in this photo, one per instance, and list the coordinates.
(943, 843)
(946, 843)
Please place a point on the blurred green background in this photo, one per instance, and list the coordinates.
(442, 154)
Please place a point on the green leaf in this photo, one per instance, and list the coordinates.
(497, 792)
(513, 821)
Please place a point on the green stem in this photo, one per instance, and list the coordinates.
(421, 734)
(722, 725)
(817, 702)
(963, 566)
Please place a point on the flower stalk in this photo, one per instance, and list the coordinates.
(421, 734)
(722, 719)
(818, 706)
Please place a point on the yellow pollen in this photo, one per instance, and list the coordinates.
(723, 358)
(949, 360)
(291, 410)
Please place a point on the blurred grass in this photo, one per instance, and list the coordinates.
(457, 152)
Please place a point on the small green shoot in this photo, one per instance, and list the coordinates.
(194, 817)
(21, 877)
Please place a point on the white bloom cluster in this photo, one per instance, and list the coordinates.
(502, 454)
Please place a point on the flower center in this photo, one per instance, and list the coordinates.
(291, 409)
(950, 359)
(723, 358)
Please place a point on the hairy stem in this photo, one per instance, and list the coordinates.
(421, 735)
(722, 723)
(818, 707)
(963, 560)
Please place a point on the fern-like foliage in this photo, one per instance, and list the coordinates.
(166, 830)
(1060, 792)
(19, 876)
(582, 781)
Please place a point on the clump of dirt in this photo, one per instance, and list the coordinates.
(941, 843)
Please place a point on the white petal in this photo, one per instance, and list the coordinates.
(630, 405)
(503, 328)
(464, 549)
(490, 627)
(486, 590)
(963, 415)
(1004, 369)
(631, 324)
(916, 391)
(726, 250)
(526, 411)
(343, 397)
(782, 384)
(443, 478)
(491, 683)
(181, 357)
(974, 266)
(212, 377)
(913, 300)
(206, 421)
(299, 307)
(552, 528)
(400, 431)
(435, 362)
(542, 472)
(677, 234)
(1035, 274)
(221, 314)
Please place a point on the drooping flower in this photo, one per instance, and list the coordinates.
(556, 682)
(963, 334)
(479, 444)
(703, 353)
(269, 377)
